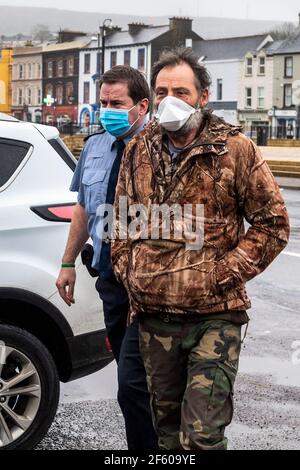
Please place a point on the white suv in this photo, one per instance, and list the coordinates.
(42, 340)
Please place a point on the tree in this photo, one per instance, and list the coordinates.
(283, 31)
(41, 32)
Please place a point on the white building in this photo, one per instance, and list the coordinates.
(139, 47)
(224, 59)
(256, 98)
(27, 76)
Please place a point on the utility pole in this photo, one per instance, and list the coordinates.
(107, 23)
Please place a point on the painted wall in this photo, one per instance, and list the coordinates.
(5, 80)
(280, 80)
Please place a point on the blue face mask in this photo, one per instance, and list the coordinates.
(116, 121)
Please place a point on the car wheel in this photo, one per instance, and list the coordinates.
(29, 389)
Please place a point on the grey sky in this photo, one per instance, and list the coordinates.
(286, 10)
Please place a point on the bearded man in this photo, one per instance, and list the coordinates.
(191, 301)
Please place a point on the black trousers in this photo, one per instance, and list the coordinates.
(133, 395)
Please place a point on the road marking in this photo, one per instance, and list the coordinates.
(289, 253)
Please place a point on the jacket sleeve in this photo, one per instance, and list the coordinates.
(262, 205)
(120, 247)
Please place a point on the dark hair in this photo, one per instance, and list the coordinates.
(138, 88)
(171, 58)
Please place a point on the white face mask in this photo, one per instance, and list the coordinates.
(173, 113)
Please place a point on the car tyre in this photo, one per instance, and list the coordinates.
(39, 391)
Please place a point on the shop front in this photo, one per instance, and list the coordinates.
(256, 125)
(60, 115)
(284, 124)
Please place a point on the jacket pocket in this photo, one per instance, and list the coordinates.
(165, 273)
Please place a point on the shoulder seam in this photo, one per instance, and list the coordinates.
(102, 131)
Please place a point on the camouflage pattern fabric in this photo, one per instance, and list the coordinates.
(191, 369)
(224, 172)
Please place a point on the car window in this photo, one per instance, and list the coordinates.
(64, 152)
(12, 153)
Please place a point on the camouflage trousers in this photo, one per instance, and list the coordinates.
(191, 369)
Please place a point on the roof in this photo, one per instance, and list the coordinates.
(77, 44)
(273, 47)
(290, 45)
(228, 48)
(144, 36)
(124, 38)
(27, 50)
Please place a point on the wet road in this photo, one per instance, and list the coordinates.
(267, 392)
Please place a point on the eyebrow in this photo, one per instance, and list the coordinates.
(112, 102)
(177, 89)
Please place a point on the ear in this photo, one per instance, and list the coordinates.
(204, 98)
(144, 107)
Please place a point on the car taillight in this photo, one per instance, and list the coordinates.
(55, 213)
(108, 345)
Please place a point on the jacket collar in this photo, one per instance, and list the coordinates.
(211, 140)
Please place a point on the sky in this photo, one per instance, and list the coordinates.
(280, 10)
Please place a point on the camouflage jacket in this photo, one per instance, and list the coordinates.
(223, 171)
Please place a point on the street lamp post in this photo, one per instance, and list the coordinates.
(103, 29)
(101, 57)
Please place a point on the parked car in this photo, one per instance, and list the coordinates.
(42, 340)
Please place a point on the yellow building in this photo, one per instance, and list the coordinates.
(5, 80)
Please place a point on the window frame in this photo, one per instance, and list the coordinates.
(50, 69)
(128, 53)
(59, 96)
(86, 89)
(21, 71)
(247, 73)
(29, 96)
(115, 55)
(285, 67)
(260, 66)
(248, 97)
(60, 68)
(70, 66)
(139, 67)
(285, 87)
(261, 97)
(219, 89)
(4, 140)
(87, 63)
(20, 95)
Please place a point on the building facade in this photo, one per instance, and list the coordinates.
(224, 59)
(27, 78)
(256, 89)
(5, 80)
(90, 59)
(139, 47)
(61, 81)
(285, 113)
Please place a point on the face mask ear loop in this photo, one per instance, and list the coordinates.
(137, 117)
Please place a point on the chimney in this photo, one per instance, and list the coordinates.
(135, 28)
(181, 24)
(65, 35)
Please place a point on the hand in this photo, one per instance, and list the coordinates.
(65, 284)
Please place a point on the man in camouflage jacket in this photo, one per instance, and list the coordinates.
(191, 303)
